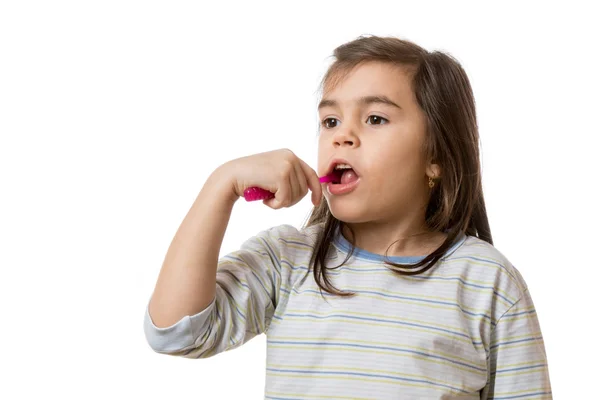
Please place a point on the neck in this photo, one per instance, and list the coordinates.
(409, 238)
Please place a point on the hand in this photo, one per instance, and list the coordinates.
(278, 171)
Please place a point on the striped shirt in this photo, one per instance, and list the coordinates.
(466, 328)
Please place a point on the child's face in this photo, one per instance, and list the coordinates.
(387, 154)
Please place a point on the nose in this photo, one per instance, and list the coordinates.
(345, 137)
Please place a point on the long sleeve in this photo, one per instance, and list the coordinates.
(517, 357)
(247, 291)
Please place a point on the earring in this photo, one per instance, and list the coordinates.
(431, 183)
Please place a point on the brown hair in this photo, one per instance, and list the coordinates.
(443, 92)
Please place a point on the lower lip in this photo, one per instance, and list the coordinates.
(342, 188)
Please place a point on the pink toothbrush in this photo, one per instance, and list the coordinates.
(255, 193)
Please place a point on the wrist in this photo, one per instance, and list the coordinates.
(221, 181)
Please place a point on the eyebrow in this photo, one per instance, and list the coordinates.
(362, 101)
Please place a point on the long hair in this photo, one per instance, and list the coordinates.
(443, 92)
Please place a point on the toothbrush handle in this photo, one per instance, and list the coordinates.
(256, 193)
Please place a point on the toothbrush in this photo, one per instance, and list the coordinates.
(255, 193)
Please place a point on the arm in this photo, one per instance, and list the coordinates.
(186, 282)
(202, 306)
(517, 358)
(246, 295)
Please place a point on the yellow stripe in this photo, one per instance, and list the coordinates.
(382, 352)
(515, 345)
(530, 390)
(523, 364)
(420, 296)
(362, 378)
(242, 266)
(369, 371)
(522, 372)
(457, 259)
(538, 397)
(400, 327)
(510, 338)
(444, 281)
(489, 263)
(307, 250)
(377, 343)
(435, 306)
(519, 317)
(382, 316)
(396, 300)
(309, 396)
(297, 246)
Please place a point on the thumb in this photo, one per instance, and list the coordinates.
(312, 179)
(273, 202)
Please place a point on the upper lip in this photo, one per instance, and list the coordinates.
(337, 161)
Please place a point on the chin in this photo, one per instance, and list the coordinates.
(348, 213)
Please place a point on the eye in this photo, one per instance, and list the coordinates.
(373, 118)
(376, 118)
(326, 120)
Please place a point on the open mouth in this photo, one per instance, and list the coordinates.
(343, 174)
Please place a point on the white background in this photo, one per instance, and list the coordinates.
(113, 113)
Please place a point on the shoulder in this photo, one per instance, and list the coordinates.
(288, 231)
(290, 239)
(483, 264)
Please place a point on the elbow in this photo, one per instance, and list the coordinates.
(170, 339)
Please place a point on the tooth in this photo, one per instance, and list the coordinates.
(342, 166)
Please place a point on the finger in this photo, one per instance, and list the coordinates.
(290, 170)
(301, 182)
(293, 193)
(278, 201)
(282, 195)
(312, 180)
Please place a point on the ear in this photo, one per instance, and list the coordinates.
(434, 170)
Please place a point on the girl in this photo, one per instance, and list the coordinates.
(407, 298)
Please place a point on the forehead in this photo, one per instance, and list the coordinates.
(372, 78)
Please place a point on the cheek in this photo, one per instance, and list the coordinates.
(395, 172)
(398, 157)
(390, 160)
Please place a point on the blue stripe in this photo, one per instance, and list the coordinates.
(272, 253)
(519, 313)
(342, 243)
(267, 292)
(365, 346)
(299, 267)
(520, 396)
(514, 341)
(454, 278)
(399, 297)
(502, 266)
(376, 320)
(370, 376)
(295, 242)
(517, 369)
(232, 302)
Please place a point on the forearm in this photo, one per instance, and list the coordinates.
(187, 280)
